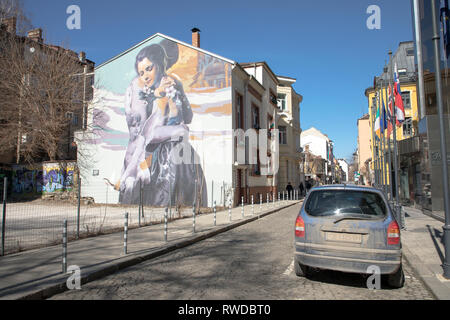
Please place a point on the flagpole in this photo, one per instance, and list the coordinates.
(381, 142)
(374, 182)
(394, 128)
(442, 129)
(391, 197)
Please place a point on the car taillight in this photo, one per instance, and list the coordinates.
(393, 233)
(299, 227)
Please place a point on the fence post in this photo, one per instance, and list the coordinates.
(79, 206)
(5, 194)
(279, 198)
(193, 218)
(215, 213)
(253, 207)
(165, 225)
(140, 203)
(212, 192)
(170, 200)
(242, 206)
(64, 245)
(229, 209)
(125, 234)
(260, 202)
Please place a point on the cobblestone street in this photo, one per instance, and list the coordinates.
(251, 262)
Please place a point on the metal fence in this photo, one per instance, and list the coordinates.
(38, 223)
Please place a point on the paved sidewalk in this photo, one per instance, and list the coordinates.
(424, 250)
(37, 274)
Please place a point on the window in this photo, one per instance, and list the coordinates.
(281, 101)
(410, 51)
(255, 117)
(239, 112)
(257, 166)
(337, 203)
(402, 72)
(406, 97)
(407, 127)
(273, 98)
(283, 134)
(270, 125)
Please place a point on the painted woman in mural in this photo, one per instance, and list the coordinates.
(157, 113)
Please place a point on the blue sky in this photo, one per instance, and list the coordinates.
(325, 45)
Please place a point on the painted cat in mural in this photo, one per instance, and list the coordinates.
(157, 112)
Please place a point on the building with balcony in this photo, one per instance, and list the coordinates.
(291, 157)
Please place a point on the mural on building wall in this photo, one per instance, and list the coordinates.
(155, 99)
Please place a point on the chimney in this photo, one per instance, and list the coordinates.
(36, 35)
(196, 37)
(10, 24)
(82, 56)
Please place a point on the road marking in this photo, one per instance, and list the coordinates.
(289, 269)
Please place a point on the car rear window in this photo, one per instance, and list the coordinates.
(345, 202)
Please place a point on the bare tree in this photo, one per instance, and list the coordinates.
(42, 93)
(15, 9)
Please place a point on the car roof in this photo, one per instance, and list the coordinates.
(353, 187)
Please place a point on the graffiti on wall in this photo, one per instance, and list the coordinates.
(153, 99)
(41, 179)
(57, 179)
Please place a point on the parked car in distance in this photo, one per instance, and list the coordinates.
(348, 228)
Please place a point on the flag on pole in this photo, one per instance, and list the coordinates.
(389, 111)
(445, 24)
(383, 124)
(377, 123)
(399, 107)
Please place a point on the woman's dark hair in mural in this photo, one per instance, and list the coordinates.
(164, 55)
(149, 160)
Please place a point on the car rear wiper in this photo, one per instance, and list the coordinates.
(352, 218)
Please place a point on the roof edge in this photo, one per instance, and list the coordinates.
(168, 38)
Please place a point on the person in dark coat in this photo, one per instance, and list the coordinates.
(302, 188)
(289, 189)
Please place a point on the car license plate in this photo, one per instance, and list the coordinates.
(343, 237)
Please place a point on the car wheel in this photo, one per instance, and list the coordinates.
(300, 269)
(397, 279)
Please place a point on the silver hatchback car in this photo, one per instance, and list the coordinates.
(350, 229)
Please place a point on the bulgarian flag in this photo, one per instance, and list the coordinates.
(399, 107)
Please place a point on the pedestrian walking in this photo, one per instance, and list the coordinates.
(301, 188)
(289, 189)
(308, 185)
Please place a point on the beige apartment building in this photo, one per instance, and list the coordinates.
(364, 150)
(291, 157)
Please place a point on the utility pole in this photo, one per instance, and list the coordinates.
(442, 130)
